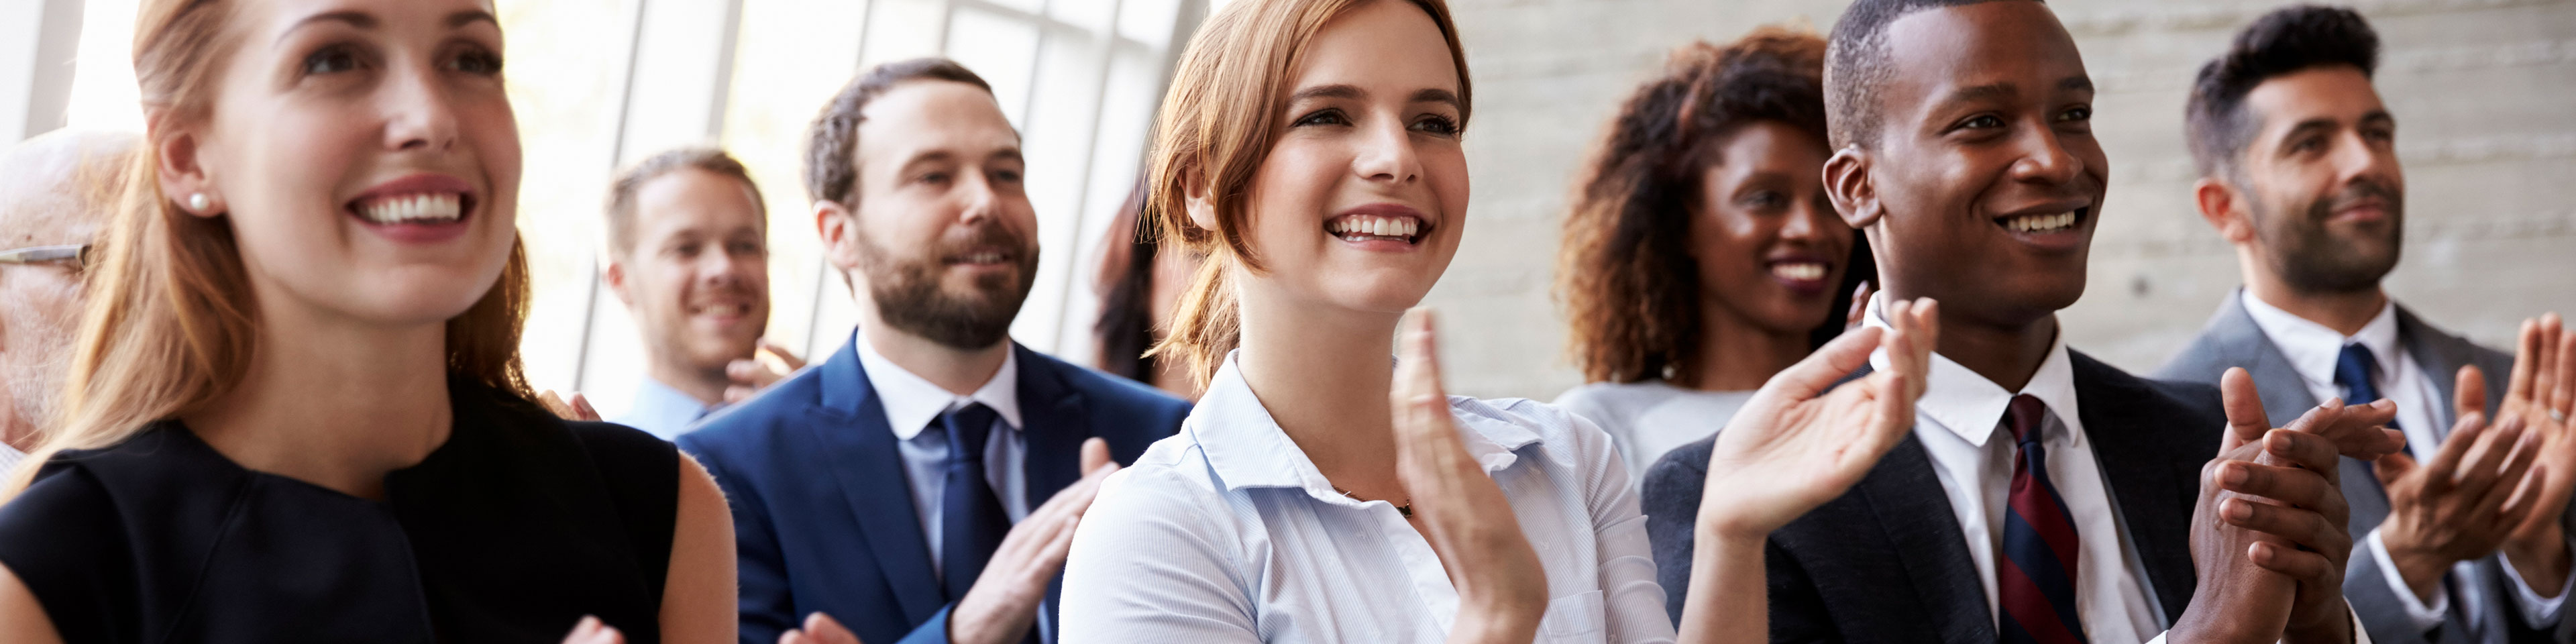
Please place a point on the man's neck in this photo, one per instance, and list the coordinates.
(959, 371)
(2005, 350)
(2346, 312)
(705, 385)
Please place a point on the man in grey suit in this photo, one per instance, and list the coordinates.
(2299, 171)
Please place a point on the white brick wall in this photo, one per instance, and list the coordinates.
(2484, 92)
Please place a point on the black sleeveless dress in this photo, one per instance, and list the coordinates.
(510, 532)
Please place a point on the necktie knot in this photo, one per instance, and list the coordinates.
(2024, 417)
(969, 428)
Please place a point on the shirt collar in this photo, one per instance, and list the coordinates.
(1971, 406)
(655, 399)
(2312, 348)
(912, 401)
(1245, 446)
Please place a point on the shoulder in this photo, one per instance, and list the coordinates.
(1170, 490)
(1112, 394)
(1610, 403)
(1561, 438)
(2200, 361)
(757, 419)
(1680, 474)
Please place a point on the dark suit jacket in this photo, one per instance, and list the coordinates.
(2232, 339)
(823, 519)
(1887, 562)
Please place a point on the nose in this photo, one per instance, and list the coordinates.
(2355, 159)
(982, 199)
(417, 110)
(1386, 155)
(1807, 220)
(2045, 159)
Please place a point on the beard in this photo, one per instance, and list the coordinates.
(2312, 259)
(910, 296)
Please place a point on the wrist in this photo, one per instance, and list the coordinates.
(1494, 619)
(2421, 569)
(2545, 543)
(2332, 624)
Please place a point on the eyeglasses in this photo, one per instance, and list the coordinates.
(78, 256)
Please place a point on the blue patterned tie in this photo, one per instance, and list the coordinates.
(2354, 369)
(971, 520)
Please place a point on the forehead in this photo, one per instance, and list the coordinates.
(925, 116)
(690, 195)
(1389, 43)
(2332, 92)
(272, 18)
(1932, 52)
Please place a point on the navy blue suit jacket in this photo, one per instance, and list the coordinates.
(823, 519)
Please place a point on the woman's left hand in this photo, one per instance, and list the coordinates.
(1502, 590)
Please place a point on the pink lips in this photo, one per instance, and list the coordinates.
(415, 185)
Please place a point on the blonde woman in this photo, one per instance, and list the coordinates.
(1317, 493)
(296, 411)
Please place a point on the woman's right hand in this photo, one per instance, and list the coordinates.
(1796, 445)
(1502, 590)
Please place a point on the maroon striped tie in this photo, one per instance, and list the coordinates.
(2035, 579)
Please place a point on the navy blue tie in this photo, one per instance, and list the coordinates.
(971, 520)
(2354, 369)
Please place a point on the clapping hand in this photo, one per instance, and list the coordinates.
(2453, 508)
(819, 629)
(1793, 447)
(591, 631)
(1502, 590)
(2542, 396)
(768, 364)
(1003, 603)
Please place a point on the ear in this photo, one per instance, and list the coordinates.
(2224, 208)
(839, 229)
(615, 276)
(1202, 212)
(1847, 183)
(183, 176)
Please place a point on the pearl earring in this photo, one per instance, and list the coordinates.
(198, 201)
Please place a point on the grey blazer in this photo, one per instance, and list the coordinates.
(2233, 340)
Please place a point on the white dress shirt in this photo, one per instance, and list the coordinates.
(912, 403)
(1226, 532)
(1647, 419)
(9, 458)
(2422, 414)
(662, 410)
(1958, 420)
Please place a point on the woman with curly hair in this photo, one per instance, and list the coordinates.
(1701, 256)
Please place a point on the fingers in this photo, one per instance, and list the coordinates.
(2245, 418)
(2469, 392)
(1820, 370)
(2506, 484)
(2563, 400)
(2392, 467)
(1859, 307)
(2358, 431)
(2310, 451)
(2306, 528)
(2465, 435)
(592, 631)
(2488, 460)
(2528, 353)
(1095, 454)
(554, 404)
(2289, 485)
(581, 408)
(2304, 566)
(786, 358)
(2547, 371)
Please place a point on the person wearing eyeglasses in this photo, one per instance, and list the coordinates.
(55, 190)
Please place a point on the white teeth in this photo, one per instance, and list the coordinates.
(1374, 226)
(1799, 271)
(414, 208)
(2041, 223)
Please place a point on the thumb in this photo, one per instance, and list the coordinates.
(2392, 467)
(785, 357)
(2246, 421)
(1095, 454)
(2469, 392)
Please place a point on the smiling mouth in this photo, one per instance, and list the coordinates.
(426, 209)
(1363, 228)
(2044, 223)
(720, 309)
(1799, 271)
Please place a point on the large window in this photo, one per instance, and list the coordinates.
(601, 83)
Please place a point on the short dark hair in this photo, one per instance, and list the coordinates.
(1857, 65)
(2287, 40)
(621, 193)
(832, 141)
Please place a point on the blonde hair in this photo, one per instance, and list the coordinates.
(1216, 126)
(170, 325)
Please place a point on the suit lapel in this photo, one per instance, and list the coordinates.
(2154, 486)
(1906, 498)
(850, 435)
(1056, 426)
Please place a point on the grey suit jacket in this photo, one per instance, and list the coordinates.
(2233, 340)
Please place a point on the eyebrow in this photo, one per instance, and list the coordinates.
(363, 21)
(1328, 91)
